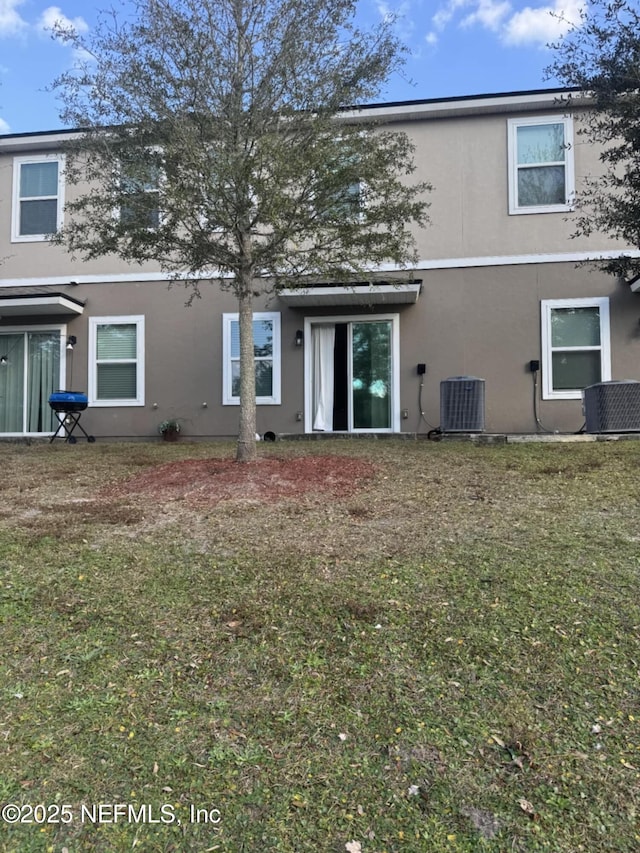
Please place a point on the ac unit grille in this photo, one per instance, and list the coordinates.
(612, 406)
(462, 404)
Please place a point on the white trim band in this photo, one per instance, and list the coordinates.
(435, 264)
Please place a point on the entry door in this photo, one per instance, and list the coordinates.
(30, 363)
(352, 379)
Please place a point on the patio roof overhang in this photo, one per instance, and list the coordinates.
(369, 293)
(40, 305)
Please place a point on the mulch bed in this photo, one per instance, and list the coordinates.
(205, 482)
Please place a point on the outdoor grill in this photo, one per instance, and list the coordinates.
(68, 407)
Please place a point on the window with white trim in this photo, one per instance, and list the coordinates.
(576, 348)
(38, 197)
(340, 192)
(116, 361)
(541, 169)
(347, 204)
(266, 351)
(140, 182)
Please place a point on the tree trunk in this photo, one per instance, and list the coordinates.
(246, 450)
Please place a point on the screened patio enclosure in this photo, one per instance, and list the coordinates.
(32, 365)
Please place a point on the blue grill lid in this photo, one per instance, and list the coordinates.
(68, 397)
(68, 401)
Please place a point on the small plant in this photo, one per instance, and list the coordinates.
(170, 429)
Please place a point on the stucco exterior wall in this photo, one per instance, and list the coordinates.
(484, 274)
(486, 322)
(183, 361)
(466, 161)
(483, 322)
(464, 157)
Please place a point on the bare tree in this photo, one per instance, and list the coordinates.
(600, 57)
(218, 130)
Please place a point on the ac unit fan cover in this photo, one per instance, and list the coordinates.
(462, 404)
(612, 406)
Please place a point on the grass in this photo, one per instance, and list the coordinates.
(448, 659)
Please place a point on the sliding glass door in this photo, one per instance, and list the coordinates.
(371, 375)
(30, 370)
(352, 382)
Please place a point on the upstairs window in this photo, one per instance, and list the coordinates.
(345, 204)
(140, 182)
(541, 171)
(575, 346)
(38, 198)
(339, 192)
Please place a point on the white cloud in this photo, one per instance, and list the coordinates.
(533, 25)
(11, 23)
(543, 24)
(489, 14)
(4, 127)
(54, 17)
(383, 9)
(402, 15)
(447, 12)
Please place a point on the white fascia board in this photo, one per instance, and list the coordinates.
(35, 305)
(552, 99)
(508, 260)
(520, 260)
(394, 111)
(369, 294)
(15, 143)
(117, 278)
(425, 264)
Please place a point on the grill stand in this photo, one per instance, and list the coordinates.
(72, 419)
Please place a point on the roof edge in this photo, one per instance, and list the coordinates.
(459, 99)
(386, 110)
(499, 103)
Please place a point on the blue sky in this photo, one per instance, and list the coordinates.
(457, 47)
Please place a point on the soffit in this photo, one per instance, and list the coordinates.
(386, 293)
(38, 305)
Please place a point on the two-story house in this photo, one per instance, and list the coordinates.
(500, 284)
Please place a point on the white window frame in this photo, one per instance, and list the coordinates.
(18, 163)
(547, 306)
(569, 167)
(19, 330)
(356, 216)
(309, 322)
(156, 190)
(354, 202)
(120, 320)
(228, 399)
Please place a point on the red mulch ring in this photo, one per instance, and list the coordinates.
(208, 481)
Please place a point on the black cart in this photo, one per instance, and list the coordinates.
(68, 407)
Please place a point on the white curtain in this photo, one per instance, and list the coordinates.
(323, 339)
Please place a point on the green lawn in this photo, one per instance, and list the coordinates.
(445, 659)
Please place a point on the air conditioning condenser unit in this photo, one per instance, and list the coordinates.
(612, 406)
(462, 404)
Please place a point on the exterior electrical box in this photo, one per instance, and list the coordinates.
(612, 406)
(462, 404)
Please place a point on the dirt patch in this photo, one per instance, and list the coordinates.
(206, 482)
